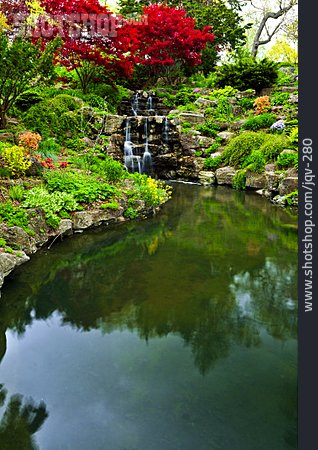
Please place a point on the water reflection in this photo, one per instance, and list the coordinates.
(210, 268)
(20, 421)
(207, 287)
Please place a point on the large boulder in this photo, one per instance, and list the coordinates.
(207, 177)
(255, 180)
(87, 219)
(189, 143)
(37, 223)
(8, 262)
(113, 123)
(193, 118)
(206, 103)
(16, 237)
(272, 180)
(225, 175)
(288, 185)
(225, 135)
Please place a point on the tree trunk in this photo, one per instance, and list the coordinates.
(3, 119)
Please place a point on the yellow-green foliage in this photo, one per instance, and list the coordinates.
(16, 160)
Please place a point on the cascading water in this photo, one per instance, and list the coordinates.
(146, 158)
(165, 133)
(137, 157)
(150, 104)
(135, 104)
(128, 148)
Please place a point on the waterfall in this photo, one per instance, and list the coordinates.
(146, 158)
(135, 104)
(128, 148)
(149, 104)
(165, 133)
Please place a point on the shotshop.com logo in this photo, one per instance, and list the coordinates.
(74, 26)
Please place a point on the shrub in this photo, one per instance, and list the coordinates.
(14, 216)
(16, 160)
(248, 73)
(153, 192)
(130, 213)
(246, 103)
(273, 145)
(109, 168)
(28, 99)
(111, 205)
(279, 98)
(208, 129)
(51, 203)
(287, 160)
(213, 148)
(185, 96)
(185, 127)
(3, 242)
(293, 136)
(227, 91)
(30, 141)
(84, 188)
(240, 147)
(255, 161)
(258, 122)
(239, 180)
(16, 192)
(213, 163)
(262, 104)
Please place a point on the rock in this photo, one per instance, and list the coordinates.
(293, 98)
(9, 261)
(206, 103)
(193, 118)
(205, 142)
(273, 180)
(37, 223)
(225, 135)
(266, 91)
(287, 151)
(237, 125)
(237, 110)
(222, 125)
(288, 185)
(65, 228)
(206, 177)
(255, 180)
(291, 89)
(245, 94)
(17, 237)
(271, 167)
(86, 219)
(35, 169)
(89, 143)
(113, 123)
(7, 137)
(225, 175)
(188, 142)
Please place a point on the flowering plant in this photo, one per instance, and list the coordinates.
(278, 126)
(262, 104)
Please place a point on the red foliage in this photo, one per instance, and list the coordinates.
(63, 165)
(48, 163)
(166, 37)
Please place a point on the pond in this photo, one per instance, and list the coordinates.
(175, 332)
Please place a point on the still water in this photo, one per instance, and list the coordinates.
(173, 333)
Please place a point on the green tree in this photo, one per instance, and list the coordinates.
(22, 64)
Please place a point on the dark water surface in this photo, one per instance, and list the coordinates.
(173, 333)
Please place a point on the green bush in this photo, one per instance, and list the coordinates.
(287, 160)
(185, 96)
(29, 98)
(213, 148)
(279, 98)
(246, 103)
(185, 127)
(16, 192)
(227, 91)
(293, 135)
(13, 216)
(255, 161)
(239, 180)
(240, 147)
(110, 169)
(261, 121)
(130, 213)
(248, 73)
(49, 148)
(52, 203)
(84, 188)
(213, 163)
(209, 129)
(112, 205)
(273, 145)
